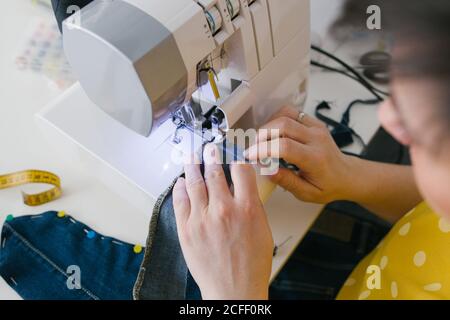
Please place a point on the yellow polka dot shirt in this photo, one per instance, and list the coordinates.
(412, 262)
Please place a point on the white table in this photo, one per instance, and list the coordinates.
(23, 94)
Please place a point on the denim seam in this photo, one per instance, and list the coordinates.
(149, 245)
(43, 256)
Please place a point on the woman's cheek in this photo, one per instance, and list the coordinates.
(433, 180)
(392, 124)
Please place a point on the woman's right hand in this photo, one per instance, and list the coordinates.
(326, 173)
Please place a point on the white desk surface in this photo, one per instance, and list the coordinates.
(22, 146)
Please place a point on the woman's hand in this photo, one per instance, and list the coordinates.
(225, 236)
(325, 171)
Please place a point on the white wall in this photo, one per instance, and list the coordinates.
(323, 14)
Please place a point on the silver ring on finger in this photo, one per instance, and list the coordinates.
(301, 117)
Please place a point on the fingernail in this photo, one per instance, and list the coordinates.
(249, 151)
(211, 149)
(211, 154)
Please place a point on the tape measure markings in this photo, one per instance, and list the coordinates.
(33, 176)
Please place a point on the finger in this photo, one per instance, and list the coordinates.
(293, 183)
(286, 111)
(181, 203)
(216, 181)
(196, 188)
(293, 113)
(284, 148)
(283, 127)
(244, 181)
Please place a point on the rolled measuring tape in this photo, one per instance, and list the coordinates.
(33, 176)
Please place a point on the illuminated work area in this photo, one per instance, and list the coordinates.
(224, 150)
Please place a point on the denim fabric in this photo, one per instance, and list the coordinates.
(37, 250)
(165, 277)
(164, 273)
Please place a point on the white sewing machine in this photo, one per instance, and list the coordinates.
(159, 78)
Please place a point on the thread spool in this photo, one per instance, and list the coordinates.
(234, 6)
(214, 19)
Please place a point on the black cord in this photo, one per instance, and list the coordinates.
(358, 136)
(342, 129)
(361, 79)
(353, 154)
(323, 66)
(346, 116)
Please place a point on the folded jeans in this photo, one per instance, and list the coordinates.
(52, 256)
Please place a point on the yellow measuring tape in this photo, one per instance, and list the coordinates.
(33, 176)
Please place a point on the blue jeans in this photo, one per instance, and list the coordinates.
(50, 257)
(164, 274)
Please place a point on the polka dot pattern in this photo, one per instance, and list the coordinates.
(383, 262)
(433, 287)
(394, 289)
(404, 230)
(420, 258)
(413, 261)
(350, 282)
(364, 295)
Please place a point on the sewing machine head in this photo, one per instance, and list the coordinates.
(174, 75)
(142, 62)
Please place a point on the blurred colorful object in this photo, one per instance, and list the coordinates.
(43, 53)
